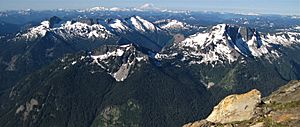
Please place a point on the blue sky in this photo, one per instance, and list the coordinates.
(285, 7)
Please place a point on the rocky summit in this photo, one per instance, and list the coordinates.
(281, 108)
(236, 108)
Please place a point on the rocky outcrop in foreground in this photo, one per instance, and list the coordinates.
(281, 108)
(236, 108)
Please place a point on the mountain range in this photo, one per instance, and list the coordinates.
(98, 68)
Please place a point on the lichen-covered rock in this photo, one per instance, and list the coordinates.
(236, 108)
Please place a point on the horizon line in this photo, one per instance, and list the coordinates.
(156, 9)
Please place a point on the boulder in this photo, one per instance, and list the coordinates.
(236, 108)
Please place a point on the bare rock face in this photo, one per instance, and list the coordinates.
(236, 108)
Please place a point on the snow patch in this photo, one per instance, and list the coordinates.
(74, 62)
(118, 25)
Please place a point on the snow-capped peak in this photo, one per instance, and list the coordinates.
(132, 23)
(173, 24)
(66, 30)
(148, 25)
(244, 40)
(118, 9)
(118, 25)
(283, 38)
(129, 30)
(99, 8)
(118, 61)
(35, 32)
(141, 24)
(45, 24)
(84, 30)
(226, 43)
(211, 47)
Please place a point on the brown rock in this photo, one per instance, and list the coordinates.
(201, 123)
(260, 124)
(236, 108)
